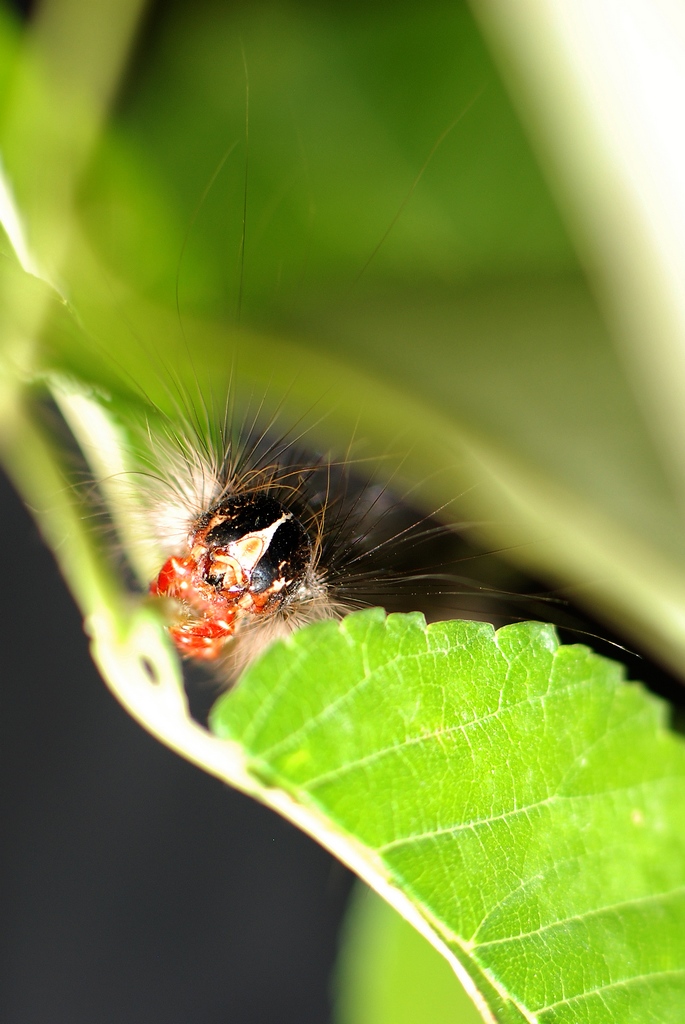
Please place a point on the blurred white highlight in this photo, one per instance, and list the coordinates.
(11, 221)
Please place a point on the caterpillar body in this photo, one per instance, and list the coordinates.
(256, 536)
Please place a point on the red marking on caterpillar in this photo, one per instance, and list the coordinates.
(247, 557)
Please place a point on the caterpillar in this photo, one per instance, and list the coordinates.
(257, 533)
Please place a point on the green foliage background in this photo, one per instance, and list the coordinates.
(472, 319)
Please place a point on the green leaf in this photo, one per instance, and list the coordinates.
(514, 792)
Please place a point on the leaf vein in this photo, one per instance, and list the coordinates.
(581, 918)
(621, 983)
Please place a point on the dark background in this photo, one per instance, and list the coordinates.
(134, 888)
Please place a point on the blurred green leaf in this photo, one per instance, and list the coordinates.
(389, 974)
(345, 106)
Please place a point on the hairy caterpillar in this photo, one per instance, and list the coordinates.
(255, 535)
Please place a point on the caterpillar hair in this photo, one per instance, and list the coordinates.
(257, 535)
